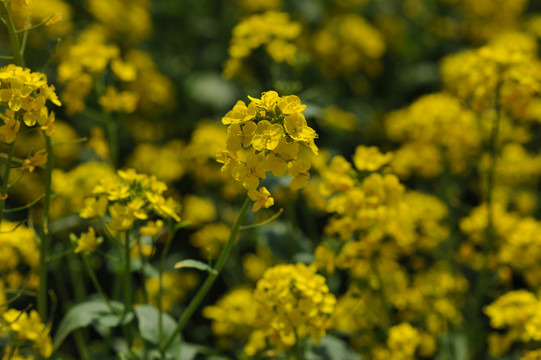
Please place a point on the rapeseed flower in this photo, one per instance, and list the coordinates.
(268, 134)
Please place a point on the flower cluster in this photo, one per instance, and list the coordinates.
(18, 251)
(129, 197)
(233, 316)
(517, 312)
(272, 29)
(517, 238)
(268, 134)
(435, 126)
(24, 94)
(346, 44)
(506, 71)
(293, 303)
(29, 330)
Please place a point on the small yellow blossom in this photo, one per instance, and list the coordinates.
(152, 228)
(94, 208)
(370, 158)
(262, 198)
(38, 159)
(11, 128)
(267, 136)
(88, 242)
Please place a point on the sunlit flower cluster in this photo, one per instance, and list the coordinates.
(272, 29)
(268, 135)
(29, 331)
(435, 126)
(24, 94)
(293, 303)
(518, 313)
(18, 253)
(505, 71)
(130, 197)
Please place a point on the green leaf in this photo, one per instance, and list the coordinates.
(147, 315)
(182, 225)
(92, 312)
(332, 348)
(189, 263)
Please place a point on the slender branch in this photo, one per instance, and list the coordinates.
(97, 285)
(203, 290)
(160, 281)
(29, 205)
(5, 181)
(15, 45)
(264, 222)
(33, 27)
(127, 272)
(46, 238)
(483, 276)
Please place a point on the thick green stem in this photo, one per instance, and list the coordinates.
(203, 290)
(15, 45)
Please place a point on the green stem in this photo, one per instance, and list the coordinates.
(35, 26)
(483, 276)
(5, 181)
(127, 273)
(15, 46)
(203, 290)
(46, 238)
(112, 135)
(97, 285)
(160, 281)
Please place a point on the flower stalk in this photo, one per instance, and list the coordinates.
(212, 276)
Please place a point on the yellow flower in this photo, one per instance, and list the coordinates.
(403, 341)
(268, 102)
(87, 242)
(240, 113)
(370, 158)
(30, 328)
(48, 126)
(291, 104)
(262, 198)
(277, 161)
(267, 136)
(123, 217)
(11, 128)
(297, 129)
(136, 206)
(35, 110)
(250, 172)
(124, 101)
(240, 135)
(125, 71)
(152, 228)
(15, 94)
(39, 159)
(164, 207)
(94, 208)
(293, 303)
